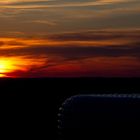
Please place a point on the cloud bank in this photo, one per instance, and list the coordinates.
(91, 53)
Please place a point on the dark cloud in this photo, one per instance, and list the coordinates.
(96, 35)
(78, 50)
(73, 53)
(1, 43)
(86, 52)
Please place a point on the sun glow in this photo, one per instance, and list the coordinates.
(9, 65)
(14, 67)
(5, 67)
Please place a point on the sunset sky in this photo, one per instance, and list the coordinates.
(69, 38)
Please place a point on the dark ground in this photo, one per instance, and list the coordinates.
(30, 106)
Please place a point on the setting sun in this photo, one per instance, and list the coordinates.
(5, 67)
(13, 66)
(8, 65)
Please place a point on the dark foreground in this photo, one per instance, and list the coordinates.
(30, 106)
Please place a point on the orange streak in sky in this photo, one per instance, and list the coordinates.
(9, 65)
(19, 57)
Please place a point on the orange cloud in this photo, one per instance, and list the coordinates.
(91, 53)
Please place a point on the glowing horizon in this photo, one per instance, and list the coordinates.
(69, 38)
